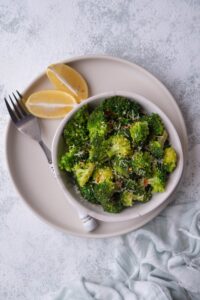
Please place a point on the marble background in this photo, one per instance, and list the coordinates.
(162, 36)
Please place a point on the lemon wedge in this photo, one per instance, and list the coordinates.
(67, 79)
(50, 104)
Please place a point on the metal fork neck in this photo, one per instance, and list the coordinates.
(46, 150)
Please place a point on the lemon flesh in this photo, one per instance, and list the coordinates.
(67, 79)
(50, 104)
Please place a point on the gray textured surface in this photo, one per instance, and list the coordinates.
(162, 36)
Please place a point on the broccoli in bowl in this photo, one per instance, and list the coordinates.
(117, 154)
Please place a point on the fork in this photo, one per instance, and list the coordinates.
(28, 125)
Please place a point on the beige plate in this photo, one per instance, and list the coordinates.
(28, 166)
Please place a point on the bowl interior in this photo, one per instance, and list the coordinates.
(67, 182)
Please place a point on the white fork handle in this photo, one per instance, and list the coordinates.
(89, 223)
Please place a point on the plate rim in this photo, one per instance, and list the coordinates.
(154, 212)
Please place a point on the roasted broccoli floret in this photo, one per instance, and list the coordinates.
(128, 198)
(97, 125)
(170, 159)
(124, 131)
(67, 160)
(142, 163)
(132, 185)
(98, 150)
(112, 206)
(156, 149)
(143, 197)
(119, 126)
(119, 145)
(75, 132)
(158, 180)
(139, 191)
(139, 132)
(155, 124)
(83, 171)
(104, 174)
(103, 191)
(87, 191)
(72, 156)
(162, 138)
(120, 107)
(122, 166)
(105, 194)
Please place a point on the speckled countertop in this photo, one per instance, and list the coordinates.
(162, 36)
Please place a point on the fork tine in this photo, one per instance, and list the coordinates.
(20, 96)
(17, 112)
(11, 112)
(20, 104)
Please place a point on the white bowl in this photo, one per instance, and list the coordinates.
(137, 210)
